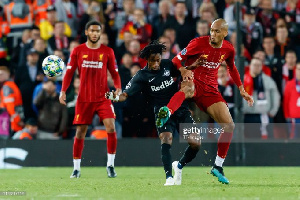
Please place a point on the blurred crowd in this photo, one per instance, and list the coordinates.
(30, 30)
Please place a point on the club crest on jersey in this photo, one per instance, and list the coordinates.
(166, 73)
(222, 58)
(85, 56)
(183, 52)
(100, 57)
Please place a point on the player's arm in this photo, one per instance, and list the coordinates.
(235, 75)
(134, 86)
(71, 67)
(190, 50)
(113, 69)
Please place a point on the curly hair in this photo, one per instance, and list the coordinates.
(153, 47)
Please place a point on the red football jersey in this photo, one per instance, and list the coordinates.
(92, 65)
(207, 73)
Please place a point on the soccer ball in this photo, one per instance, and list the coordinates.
(53, 66)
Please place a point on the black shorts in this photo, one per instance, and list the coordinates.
(182, 115)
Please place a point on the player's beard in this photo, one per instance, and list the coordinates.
(94, 42)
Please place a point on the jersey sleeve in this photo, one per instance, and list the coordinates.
(190, 50)
(71, 67)
(113, 69)
(234, 73)
(135, 85)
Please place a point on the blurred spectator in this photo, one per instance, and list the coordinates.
(266, 101)
(134, 49)
(15, 56)
(53, 116)
(291, 104)
(266, 16)
(283, 43)
(244, 51)
(202, 28)
(66, 12)
(167, 42)
(171, 34)
(124, 16)
(226, 87)
(124, 46)
(4, 31)
(164, 19)
(29, 132)
(40, 46)
(207, 12)
(261, 55)
(11, 100)
(229, 16)
(104, 39)
(253, 30)
(27, 77)
(59, 40)
(47, 25)
(185, 26)
(141, 30)
(93, 12)
(40, 10)
(34, 34)
(289, 68)
(193, 6)
(71, 100)
(124, 69)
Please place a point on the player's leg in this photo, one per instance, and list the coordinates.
(190, 152)
(82, 118)
(220, 113)
(106, 112)
(111, 145)
(187, 91)
(166, 142)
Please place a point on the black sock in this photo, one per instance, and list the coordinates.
(188, 156)
(166, 159)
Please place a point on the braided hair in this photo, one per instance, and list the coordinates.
(153, 47)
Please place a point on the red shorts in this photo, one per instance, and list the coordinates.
(84, 111)
(205, 98)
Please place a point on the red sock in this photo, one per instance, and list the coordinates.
(111, 143)
(77, 148)
(176, 101)
(223, 144)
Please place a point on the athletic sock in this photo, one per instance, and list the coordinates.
(111, 159)
(176, 101)
(76, 163)
(219, 161)
(223, 146)
(166, 159)
(78, 148)
(111, 143)
(187, 157)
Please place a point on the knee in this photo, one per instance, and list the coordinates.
(229, 127)
(195, 142)
(110, 128)
(166, 138)
(81, 132)
(188, 91)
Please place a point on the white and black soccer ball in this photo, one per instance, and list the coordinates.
(53, 66)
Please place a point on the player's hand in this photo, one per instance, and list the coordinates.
(62, 98)
(247, 97)
(200, 61)
(186, 74)
(118, 91)
(112, 96)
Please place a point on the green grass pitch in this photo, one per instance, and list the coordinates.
(147, 183)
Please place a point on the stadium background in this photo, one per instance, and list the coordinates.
(264, 29)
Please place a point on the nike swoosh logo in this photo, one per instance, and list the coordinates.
(151, 80)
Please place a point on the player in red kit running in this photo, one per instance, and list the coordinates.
(209, 52)
(92, 60)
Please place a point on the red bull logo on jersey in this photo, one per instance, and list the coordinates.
(92, 64)
(163, 85)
